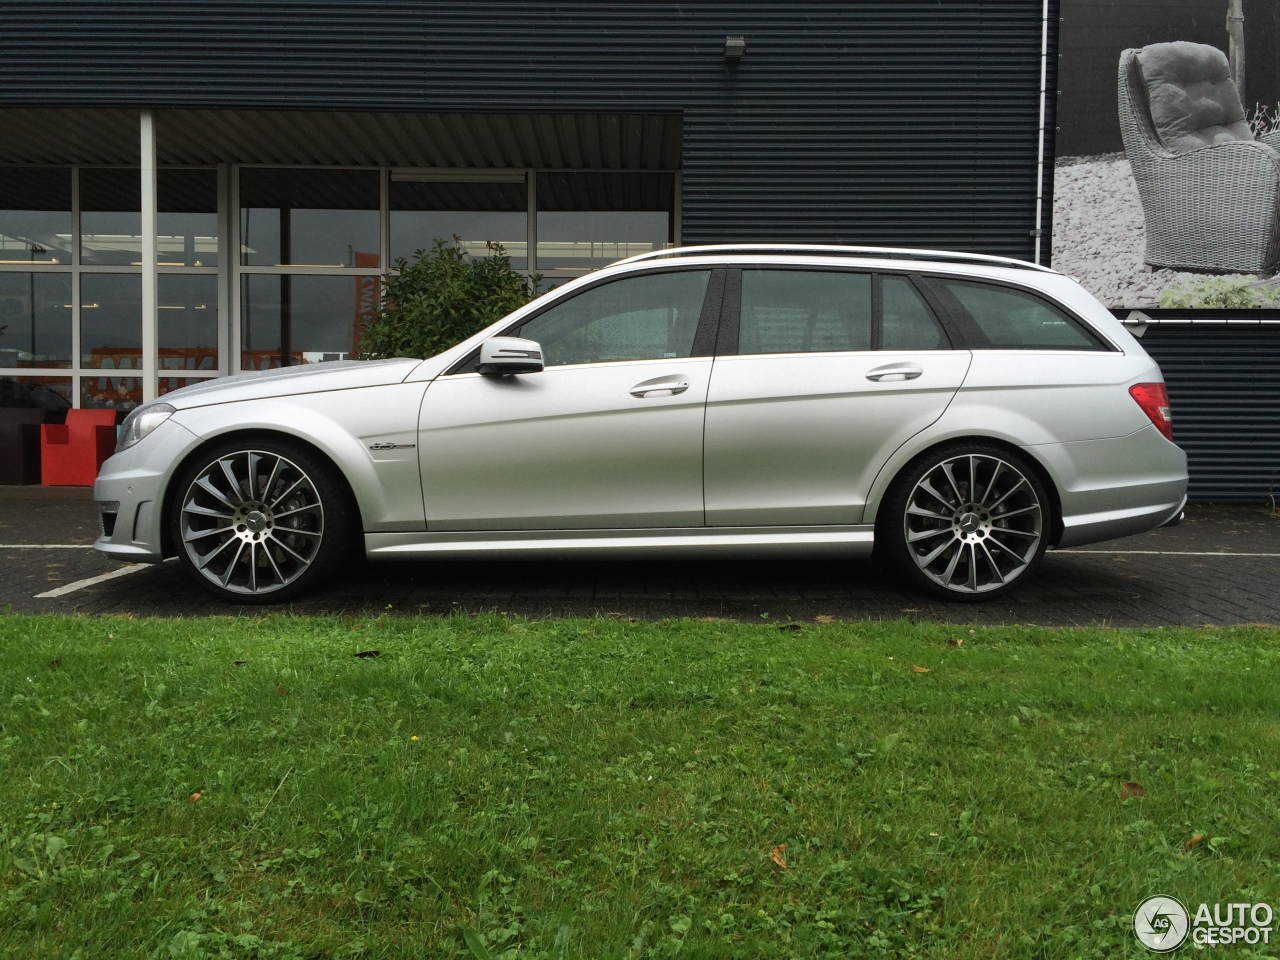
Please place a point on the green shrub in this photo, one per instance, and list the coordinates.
(441, 298)
(1225, 293)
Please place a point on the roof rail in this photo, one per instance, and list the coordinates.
(885, 253)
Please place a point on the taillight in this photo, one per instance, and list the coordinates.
(1153, 398)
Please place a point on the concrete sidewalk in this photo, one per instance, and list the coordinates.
(1221, 566)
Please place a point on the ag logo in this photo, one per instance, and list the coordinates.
(1160, 924)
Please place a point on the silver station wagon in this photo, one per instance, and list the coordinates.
(958, 414)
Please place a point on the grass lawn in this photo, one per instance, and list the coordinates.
(593, 788)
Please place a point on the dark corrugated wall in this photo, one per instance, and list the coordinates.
(1224, 387)
(900, 121)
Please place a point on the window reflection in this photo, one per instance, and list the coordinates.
(35, 319)
(314, 218)
(292, 319)
(111, 321)
(35, 215)
(478, 214)
(110, 216)
(110, 393)
(187, 223)
(188, 310)
(36, 393)
(588, 220)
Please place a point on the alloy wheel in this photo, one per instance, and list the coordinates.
(252, 522)
(973, 524)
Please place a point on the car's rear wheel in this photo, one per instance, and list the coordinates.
(261, 521)
(966, 522)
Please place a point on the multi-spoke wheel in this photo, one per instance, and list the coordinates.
(259, 522)
(967, 523)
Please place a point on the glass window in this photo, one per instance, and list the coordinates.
(111, 320)
(37, 393)
(35, 215)
(588, 220)
(1012, 319)
(110, 216)
(187, 223)
(292, 319)
(475, 215)
(110, 393)
(35, 319)
(804, 311)
(907, 322)
(314, 218)
(636, 318)
(188, 336)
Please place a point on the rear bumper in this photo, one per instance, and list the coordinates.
(1116, 488)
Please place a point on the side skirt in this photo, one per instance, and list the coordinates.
(747, 542)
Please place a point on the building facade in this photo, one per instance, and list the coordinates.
(195, 190)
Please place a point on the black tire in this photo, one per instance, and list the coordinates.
(262, 520)
(964, 540)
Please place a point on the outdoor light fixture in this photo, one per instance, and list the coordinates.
(734, 47)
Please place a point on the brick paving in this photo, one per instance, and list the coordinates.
(1174, 585)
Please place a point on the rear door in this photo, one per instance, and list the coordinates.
(820, 375)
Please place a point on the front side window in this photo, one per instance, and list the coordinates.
(804, 311)
(634, 318)
(1008, 319)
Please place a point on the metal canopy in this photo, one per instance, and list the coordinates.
(436, 140)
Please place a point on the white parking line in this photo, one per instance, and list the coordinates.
(90, 581)
(1174, 553)
(46, 546)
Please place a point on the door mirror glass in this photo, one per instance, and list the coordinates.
(500, 356)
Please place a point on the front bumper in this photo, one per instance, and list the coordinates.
(130, 493)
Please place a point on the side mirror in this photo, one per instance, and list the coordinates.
(500, 356)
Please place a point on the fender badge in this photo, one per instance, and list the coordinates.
(391, 446)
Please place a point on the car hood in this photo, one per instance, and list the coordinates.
(289, 381)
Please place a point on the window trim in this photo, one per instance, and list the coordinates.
(704, 336)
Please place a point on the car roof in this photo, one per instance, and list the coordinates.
(811, 253)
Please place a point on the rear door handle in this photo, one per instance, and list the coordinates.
(660, 387)
(895, 372)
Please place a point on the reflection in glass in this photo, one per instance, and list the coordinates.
(187, 225)
(479, 214)
(317, 218)
(35, 215)
(635, 318)
(188, 337)
(292, 319)
(35, 319)
(110, 216)
(169, 384)
(111, 320)
(37, 393)
(113, 393)
(588, 220)
(804, 311)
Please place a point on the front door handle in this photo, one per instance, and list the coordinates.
(660, 387)
(895, 372)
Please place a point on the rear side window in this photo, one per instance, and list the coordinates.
(804, 311)
(1009, 319)
(906, 322)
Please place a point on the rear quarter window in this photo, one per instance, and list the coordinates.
(1010, 319)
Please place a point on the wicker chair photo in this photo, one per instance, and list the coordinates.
(1209, 189)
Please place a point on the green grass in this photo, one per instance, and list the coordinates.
(594, 788)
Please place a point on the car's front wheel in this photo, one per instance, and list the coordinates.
(261, 521)
(966, 522)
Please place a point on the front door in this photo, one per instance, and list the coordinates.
(608, 435)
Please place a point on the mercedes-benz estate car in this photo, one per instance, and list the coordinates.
(959, 414)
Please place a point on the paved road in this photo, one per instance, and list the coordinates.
(1222, 566)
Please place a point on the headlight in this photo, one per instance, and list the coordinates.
(142, 421)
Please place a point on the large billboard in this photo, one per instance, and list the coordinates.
(1167, 183)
